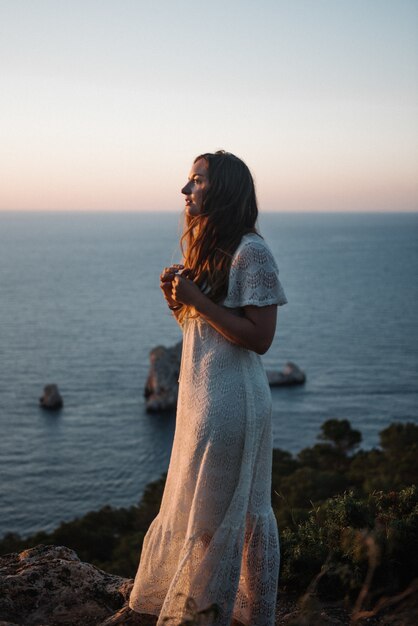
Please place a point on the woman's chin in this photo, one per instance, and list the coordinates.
(192, 210)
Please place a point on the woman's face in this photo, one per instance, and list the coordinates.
(196, 187)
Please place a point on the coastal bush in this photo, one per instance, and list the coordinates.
(307, 485)
(340, 434)
(392, 467)
(346, 536)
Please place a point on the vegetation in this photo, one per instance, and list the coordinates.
(348, 519)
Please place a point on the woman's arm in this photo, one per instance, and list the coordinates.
(254, 331)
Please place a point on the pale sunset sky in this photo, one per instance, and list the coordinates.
(105, 103)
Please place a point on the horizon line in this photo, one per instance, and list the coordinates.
(179, 212)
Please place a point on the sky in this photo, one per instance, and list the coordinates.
(104, 104)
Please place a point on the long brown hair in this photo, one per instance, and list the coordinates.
(229, 211)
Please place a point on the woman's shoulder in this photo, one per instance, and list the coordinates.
(251, 246)
(251, 237)
(254, 275)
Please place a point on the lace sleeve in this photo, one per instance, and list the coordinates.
(254, 278)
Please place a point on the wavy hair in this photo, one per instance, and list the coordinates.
(229, 211)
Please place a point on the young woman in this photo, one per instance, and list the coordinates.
(215, 538)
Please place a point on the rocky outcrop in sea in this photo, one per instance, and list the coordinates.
(290, 375)
(51, 398)
(161, 388)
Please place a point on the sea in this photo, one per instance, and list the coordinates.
(81, 307)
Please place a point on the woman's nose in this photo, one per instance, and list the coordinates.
(185, 189)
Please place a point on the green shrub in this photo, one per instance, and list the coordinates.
(344, 533)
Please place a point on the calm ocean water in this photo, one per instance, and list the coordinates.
(81, 307)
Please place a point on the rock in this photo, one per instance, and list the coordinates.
(50, 586)
(290, 375)
(51, 398)
(161, 388)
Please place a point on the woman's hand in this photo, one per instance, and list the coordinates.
(166, 281)
(184, 290)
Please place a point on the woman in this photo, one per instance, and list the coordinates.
(215, 538)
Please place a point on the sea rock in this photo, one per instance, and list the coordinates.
(291, 374)
(50, 586)
(161, 388)
(51, 398)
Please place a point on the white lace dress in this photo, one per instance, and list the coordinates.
(215, 538)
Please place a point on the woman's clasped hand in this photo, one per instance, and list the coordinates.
(184, 290)
(177, 288)
(166, 281)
